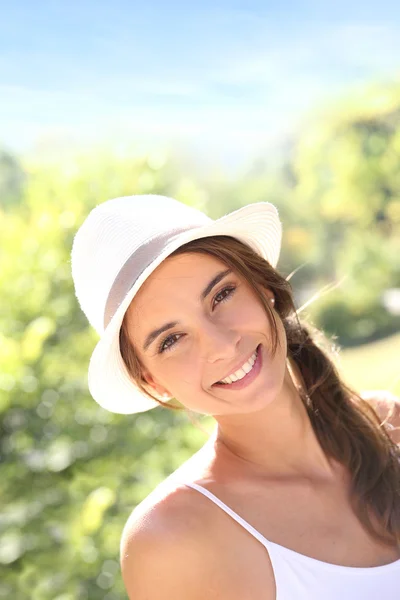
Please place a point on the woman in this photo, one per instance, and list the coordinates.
(296, 493)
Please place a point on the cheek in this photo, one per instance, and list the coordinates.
(245, 316)
(281, 354)
(181, 372)
(251, 318)
(281, 349)
(281, 336)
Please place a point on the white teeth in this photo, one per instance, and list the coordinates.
(242, 372)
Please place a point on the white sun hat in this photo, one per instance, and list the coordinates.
(120, 243)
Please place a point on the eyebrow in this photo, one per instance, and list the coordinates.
(153, 335)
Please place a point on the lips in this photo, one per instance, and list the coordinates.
(248, 378)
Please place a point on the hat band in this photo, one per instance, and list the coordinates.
(134, 267)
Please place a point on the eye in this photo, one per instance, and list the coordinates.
(169, 341)
(172, 339)
(224, 294)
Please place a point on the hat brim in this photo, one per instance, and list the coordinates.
(110, 384)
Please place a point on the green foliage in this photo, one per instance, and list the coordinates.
(71, 471)
(341, 206)
(12, 180)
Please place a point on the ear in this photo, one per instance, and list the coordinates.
(156, 387)
(270, 296)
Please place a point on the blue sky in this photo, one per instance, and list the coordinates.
(223, 78)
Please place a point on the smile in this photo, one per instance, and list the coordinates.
(245, 374)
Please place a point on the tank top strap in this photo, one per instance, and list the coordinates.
(230, 512)
(306, 578)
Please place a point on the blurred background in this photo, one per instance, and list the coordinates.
(217, 104)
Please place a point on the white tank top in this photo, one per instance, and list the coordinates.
(300, 577)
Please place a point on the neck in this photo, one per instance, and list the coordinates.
(278, 441)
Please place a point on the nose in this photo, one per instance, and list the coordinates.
(219, 342)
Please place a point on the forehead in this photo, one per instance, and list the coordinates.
(177, 278)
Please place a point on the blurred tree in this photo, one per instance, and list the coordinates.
(12, 180)
(338, 191)
(71, 471)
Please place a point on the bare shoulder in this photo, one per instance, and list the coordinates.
(168, 550)
(165, 513)
(387, 407)
(158, 546)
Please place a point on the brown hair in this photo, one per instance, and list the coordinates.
(347, 427)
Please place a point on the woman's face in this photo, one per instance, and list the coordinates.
(194, 323)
